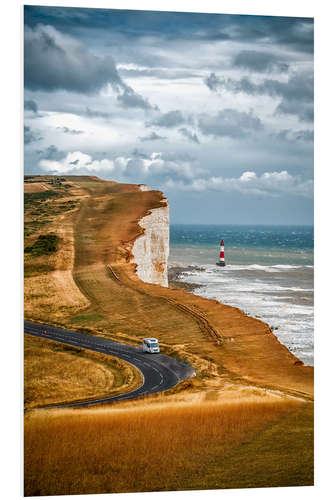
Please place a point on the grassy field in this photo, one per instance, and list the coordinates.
(249, 408)
(175, 447)
(56, 373)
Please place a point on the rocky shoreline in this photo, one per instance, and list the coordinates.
(174, 273)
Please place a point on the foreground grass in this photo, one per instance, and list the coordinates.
(56, 373)
(196, 446)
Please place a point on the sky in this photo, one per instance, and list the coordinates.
(214, 110)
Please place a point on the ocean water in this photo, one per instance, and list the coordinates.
(268, 274)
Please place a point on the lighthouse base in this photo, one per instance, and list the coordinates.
(221, 264)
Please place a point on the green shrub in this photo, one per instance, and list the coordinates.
(45, 244)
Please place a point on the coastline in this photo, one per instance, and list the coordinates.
(265, 298)
(175, 271)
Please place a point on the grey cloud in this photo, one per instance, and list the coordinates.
(160, 73)
(192, 136)
(304, 110)
(31, 105)
(130, 99)
(304, 135)
(94, 113)
(271, 184)
(212, 82)
(296, 94)
(259, 61)
(30, 135)
(55, 61)
(229, 123)
(67, 130)
(136, 153)
(169, 119)
(295, 135)
(152, 137)
(51, 153)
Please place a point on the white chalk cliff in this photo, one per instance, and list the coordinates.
(151, 249)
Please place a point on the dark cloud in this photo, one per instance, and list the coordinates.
(229, 123)
(67, 130)
(191, 136)
(95, 113)
(31, 135)
(55, 61)
(152, 137)
(293, 32)
(296, 94)
(295, 135)
(50, 153)
(31, 106)
(169, 119)
(130, 99)
(259, 61)
(136, 153)
(304, 135)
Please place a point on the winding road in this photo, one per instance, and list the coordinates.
(159, 372)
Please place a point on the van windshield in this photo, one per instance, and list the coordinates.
(153, 345)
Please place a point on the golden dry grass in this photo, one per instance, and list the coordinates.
(56, 373)
(149, 448)
(36, 187)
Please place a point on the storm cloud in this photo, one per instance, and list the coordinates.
(31, 135)
(130, 99)
(259, 61)
(56, 61)
(30, 105)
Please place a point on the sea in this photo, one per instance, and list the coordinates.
(269, 274)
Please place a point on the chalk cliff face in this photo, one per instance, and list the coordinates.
(151, 249)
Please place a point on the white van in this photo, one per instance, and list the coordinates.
(150, 345)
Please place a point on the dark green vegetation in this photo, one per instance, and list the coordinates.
(30, 198)
(45, 244)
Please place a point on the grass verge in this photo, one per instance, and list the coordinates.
(56, 373)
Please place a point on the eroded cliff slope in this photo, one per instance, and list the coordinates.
(151, 249)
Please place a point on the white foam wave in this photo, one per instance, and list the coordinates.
(277, 299)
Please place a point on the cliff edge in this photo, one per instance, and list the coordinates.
(151, 249)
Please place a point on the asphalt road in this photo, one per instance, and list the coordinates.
(159, 372)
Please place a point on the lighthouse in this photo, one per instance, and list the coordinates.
(221, 261)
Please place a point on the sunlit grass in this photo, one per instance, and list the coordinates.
(57, 373)
(148, 448)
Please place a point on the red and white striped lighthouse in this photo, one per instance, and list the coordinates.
(221, 261)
